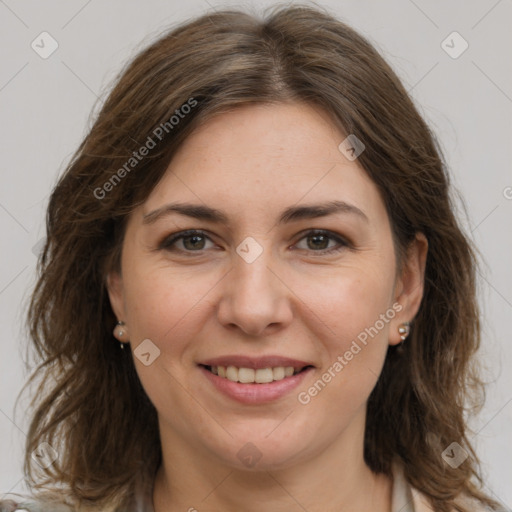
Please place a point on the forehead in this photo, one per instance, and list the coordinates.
(262, 157)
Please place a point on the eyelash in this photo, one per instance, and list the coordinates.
(168, 242)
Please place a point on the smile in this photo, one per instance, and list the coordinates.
(255, 386)
(254, 376)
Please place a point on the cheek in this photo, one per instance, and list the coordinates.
(353, 355)
(351, 315)
(348, 300)
(162, 302)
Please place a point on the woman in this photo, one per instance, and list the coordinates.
(254, 290)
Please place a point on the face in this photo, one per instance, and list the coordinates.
(286, 260)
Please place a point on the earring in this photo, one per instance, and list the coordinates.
(404, 330)
(119, 332)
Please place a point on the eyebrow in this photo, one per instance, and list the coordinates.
(290, 214)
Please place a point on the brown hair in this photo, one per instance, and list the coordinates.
(91, 406)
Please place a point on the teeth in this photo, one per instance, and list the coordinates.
(232, 373)
(249, 375)
(279, 373)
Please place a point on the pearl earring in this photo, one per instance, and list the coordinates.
(119, 332)
(404, 330)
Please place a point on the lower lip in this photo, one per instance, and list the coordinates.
(255, 393)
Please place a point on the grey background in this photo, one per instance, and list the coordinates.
(45, 107)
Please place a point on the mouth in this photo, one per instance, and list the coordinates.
(244, 375)
(262, 384)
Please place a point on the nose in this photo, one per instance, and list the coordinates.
(255, 299)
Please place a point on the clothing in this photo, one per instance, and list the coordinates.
(404, 499)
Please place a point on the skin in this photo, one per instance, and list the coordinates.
(294, 300)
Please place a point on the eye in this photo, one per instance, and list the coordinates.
(191, 241)
(318, 241)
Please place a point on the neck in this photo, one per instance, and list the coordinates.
(337, 479)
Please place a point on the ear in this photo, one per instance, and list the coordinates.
(116, 294)
(409, 285)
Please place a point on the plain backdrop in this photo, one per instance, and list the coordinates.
(45, 106)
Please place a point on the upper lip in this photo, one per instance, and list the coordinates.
(270, 361)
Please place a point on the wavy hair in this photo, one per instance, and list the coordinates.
(90, 404)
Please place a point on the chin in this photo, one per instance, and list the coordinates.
(262, 454)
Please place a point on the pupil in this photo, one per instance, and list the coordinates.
(320, 237)
(195, 238)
